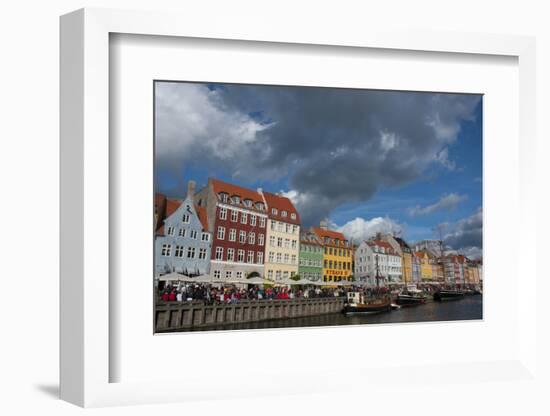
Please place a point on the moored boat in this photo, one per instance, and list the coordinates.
(358, 302)
(448, 294)
(410, 296)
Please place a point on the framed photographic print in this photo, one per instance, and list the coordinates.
(275, 197)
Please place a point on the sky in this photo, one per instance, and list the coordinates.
(368, 161)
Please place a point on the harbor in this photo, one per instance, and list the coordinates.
(282, 308)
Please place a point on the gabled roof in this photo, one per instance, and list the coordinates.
(281, 203)
(334, 235)
(231, 190)
(171, 206)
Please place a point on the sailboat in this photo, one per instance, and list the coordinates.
(359, 303)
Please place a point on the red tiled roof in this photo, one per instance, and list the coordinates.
(230, 189)
(171, 206)
(281, 203)
(335, 235)
(201, 212)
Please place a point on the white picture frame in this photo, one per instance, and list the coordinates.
(85, 212)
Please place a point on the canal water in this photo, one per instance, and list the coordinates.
(470, 307)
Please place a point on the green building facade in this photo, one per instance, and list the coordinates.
(310, 258)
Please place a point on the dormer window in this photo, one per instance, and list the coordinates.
(274, 211)
(235, 199)
(283, 213)
(259, 206)
(223, 197)
(248, 202)
(293, 216)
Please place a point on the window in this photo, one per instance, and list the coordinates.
(283, 213)
(181, 232)
(293, 216)
(287, 243)
(166, 250)
(293, 259)
(253, 220)
(202, 253)
(242, 236)
(191, 252)
(262, 222)
(217, 274)
(228, 274)
(288, 228)
(279, 258)
(223, 197)
(272, 240)
(221, 233)
(205, 237)
(260, 257)
(234, 215)
(239, 275)
(273, 225)
(294, 229)
(232, 234)
(251, 238)
(280, 226)
(274, 211)
(271, 256)
(230, 254)
(294, 243)
(244, 217)
(223, 213)
(260, 206)
(285, 275)
(278, 275)
(186, 218)
(279, 242)
(248, 202)
(250, 257)
(179, 251)
(240, 256)
(270, 274)
(287, 258)
(194, 234)
(235, 199)
(219, 253)
(260, 239)
(170, 231)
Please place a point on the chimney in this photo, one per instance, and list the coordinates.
(260, 191)
(191, 189)
(324, 224)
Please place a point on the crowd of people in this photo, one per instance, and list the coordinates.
(232, 294)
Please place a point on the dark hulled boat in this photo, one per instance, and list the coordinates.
(448, 294)
(357, 302)
(410, 296)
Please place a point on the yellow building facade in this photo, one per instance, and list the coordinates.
(426, 269)
(337, 255)
(406, 260)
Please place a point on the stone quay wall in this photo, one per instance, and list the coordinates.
(174, 316)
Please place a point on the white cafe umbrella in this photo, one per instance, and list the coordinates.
(174, 277)
(204, 278)
(257, 281)
(303, 282)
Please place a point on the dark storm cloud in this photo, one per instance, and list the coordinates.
(335, 145)
(466, 233)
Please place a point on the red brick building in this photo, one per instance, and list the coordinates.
(237, 219)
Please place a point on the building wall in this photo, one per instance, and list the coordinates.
(310, 261)
(288, 235)
(229, 247)
(189, 262)
(426, 270)
(337, 263)
(407, 267)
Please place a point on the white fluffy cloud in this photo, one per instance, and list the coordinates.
(446, 202)
(360, 229)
